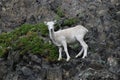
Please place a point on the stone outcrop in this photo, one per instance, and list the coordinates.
(101, 17)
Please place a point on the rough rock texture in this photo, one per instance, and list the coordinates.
(101, 17)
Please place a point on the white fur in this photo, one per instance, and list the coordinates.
(62, 37)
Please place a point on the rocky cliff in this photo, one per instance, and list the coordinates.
(100, 17)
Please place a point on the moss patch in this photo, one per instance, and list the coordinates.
(27, 39)
(60, 12)
(70, 21)
(66, 22)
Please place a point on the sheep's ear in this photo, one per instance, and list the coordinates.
(45, 22)
(55, 21)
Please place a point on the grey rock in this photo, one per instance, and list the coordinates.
(91, 74)
(26, 71)
(114, 1)
(36, 59)
(100, 17)
(3, 69)
(118, 15)
(102, 12)
(113, 64)
(54, 74)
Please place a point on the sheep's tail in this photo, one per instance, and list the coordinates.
(86, 29)
(83, 28)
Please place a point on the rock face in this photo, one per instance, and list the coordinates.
(26, 68)
(101, 17)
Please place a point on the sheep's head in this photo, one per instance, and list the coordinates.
(50, 24)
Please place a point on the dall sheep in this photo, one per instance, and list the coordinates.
(62, 37)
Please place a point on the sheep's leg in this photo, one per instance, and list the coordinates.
(79, 53)
(66, 50)
(60, 53)
(84, 45)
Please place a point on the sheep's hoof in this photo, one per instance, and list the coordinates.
(76, 56)
(59, 59)
(84, 57)
(68, 59)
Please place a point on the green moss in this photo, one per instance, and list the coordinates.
(67, 22)
(26, 39)
(60, 12)
(70, 21)
(42, 28)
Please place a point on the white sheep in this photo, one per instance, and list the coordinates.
(62, 37)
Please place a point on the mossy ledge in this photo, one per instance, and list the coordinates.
(28, 39)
